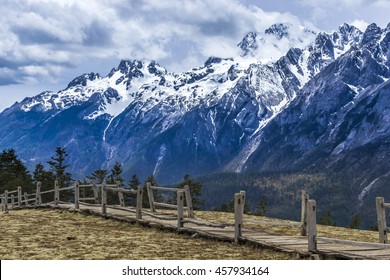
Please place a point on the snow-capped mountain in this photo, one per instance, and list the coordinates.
(339, 122)
(211, 118)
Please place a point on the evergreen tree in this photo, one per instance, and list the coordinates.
(227, 207)
(262, 207)
(43, 176)
(116, 174)
(195, 190)
(327, 219)
(355, 222)
(134, 182)
(99, 176)
(13, 173)
(59, 168)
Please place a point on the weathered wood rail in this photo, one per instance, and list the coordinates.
(307, 243)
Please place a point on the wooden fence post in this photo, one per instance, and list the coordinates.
(150, 197)
(243, 198)
(12, 200)
(103, 193)
(189, 202)
(312, 225)
(305, 198)
(25, 198)
(19, 196)
(95, 192)
(139, 203)
(6, 201)
(38, 197)
(180, 208)
(77, 196)
(381, 218)
(2, 202)
(237, 216)
(121, 199)
(56, 192)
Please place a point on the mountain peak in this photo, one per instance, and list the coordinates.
(249, 43)
(279, 30)
(83, 79)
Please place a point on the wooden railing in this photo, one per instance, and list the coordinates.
(381, 218)
(308, 223)
(186, 195)
(239, 205)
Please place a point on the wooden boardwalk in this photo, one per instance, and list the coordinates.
(327, 248)
(182, 219)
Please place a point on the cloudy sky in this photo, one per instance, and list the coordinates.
(44, 44)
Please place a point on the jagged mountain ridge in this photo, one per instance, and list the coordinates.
(339, 123)
(168, 124)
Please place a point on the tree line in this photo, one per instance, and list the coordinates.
(14, 173)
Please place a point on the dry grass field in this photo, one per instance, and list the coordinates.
(48, 234)
(54, 234)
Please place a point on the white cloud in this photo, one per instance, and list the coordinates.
(67, 33)
(359, 23)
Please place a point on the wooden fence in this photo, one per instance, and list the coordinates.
(308, 224)
(239, 204)
(187, 195)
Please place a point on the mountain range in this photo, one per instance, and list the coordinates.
(292, 100)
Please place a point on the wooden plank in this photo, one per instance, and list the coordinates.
(304, 199)
(285, 224)
(25, 198)
(46, 192)
(165, 205)
(386, 205)
(19, 196)
(56, 192)
(180, 208)
(354, 243)
(243, 200)
(381, 218)
(77, 196)
(87, 198)
(5, 207)
(38, 197)
(121, 199)
(164, 189)
(237, 216)
(150, 196)
(89, 204)
(103, 192)
(120, 208)
(66, 188)
(311, 225)
(190, 207)
(139, 203)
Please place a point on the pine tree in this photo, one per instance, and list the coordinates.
(99, 176)
(355, 222)
(59, 168)
(43, 176)
(262, 207)
(116, 174)
(134, 182)
(327, 219)
(195, 190)
(13, 173)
